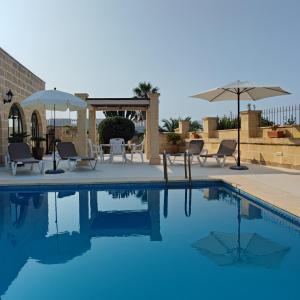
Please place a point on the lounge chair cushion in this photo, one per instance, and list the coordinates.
(67, 150)
(196, 147)
(226, 148)
(20, 152)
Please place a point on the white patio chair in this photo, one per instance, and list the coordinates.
(137, 149)
(95, 151)
(117, 147)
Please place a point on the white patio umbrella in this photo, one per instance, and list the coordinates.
(57, 101)
(241, 90)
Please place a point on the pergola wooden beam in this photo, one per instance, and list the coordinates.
(119, 103)
(150, 105)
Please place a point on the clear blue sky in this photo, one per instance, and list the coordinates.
(106, 47)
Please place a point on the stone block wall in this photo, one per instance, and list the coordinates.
(22, 82)
(256, 146)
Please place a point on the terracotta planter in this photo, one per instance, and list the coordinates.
(174, 148)
(275, 134)
(38, 152)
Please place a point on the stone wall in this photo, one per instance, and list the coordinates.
(256, 146)
(22, 82)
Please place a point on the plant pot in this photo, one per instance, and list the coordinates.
(195, 136)
(174, 148)
(38, 152)
(275, 134)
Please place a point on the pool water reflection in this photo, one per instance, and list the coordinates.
(151, 243)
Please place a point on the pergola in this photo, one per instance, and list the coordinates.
(87, 125)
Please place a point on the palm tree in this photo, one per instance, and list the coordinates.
(128, 114)
(142, 90)
(172, 124)
(195, 125)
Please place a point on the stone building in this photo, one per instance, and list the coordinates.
(14, 120)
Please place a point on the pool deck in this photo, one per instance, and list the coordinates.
(276, 186)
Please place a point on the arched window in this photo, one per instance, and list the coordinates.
(15, 124)
(35, 132)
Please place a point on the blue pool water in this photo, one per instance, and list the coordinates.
(145, 242)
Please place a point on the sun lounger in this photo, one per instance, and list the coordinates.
(67, 151)
(226, 149)
(19, 154)
(195, 148)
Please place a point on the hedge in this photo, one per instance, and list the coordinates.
(116, 127)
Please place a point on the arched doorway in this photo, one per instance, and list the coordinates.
(15, 124)
(35, 125)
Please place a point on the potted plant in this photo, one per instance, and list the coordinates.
(275, 133)
(174, 138)
(195, 135)
(37, 149)
(17, 137)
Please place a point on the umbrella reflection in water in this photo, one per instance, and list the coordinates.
(227, 249)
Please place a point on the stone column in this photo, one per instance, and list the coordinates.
(184, 127)
(152, 132)
(93, 203)
(84, 222)
(147, 136)
(4, 110)
(250, 122)
(81, 141)
(210, 126)
(92, 125)
(153, 198)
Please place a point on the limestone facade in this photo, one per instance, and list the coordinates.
(22, 82)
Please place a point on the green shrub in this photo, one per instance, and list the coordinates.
(227, 123)
(173, 137)
(264, 122)
(17, 137)
(290, 121)
(116, 127)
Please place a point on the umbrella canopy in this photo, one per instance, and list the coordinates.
(252, 249)
(248, 92)
(54, 98)
(60, 248)
(241, 90)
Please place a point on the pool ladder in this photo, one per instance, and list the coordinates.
(187, 167)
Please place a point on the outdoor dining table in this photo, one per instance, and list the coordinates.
(108, 145)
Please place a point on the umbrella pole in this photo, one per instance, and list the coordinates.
(239, 128)
(54, 170)
(54, 125)
(239, 229)
(238, 163)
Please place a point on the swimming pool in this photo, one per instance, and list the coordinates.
(145, 242)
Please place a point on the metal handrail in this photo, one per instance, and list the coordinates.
(185, 165)
(189, 167)
(165, 166)
(188, 203)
